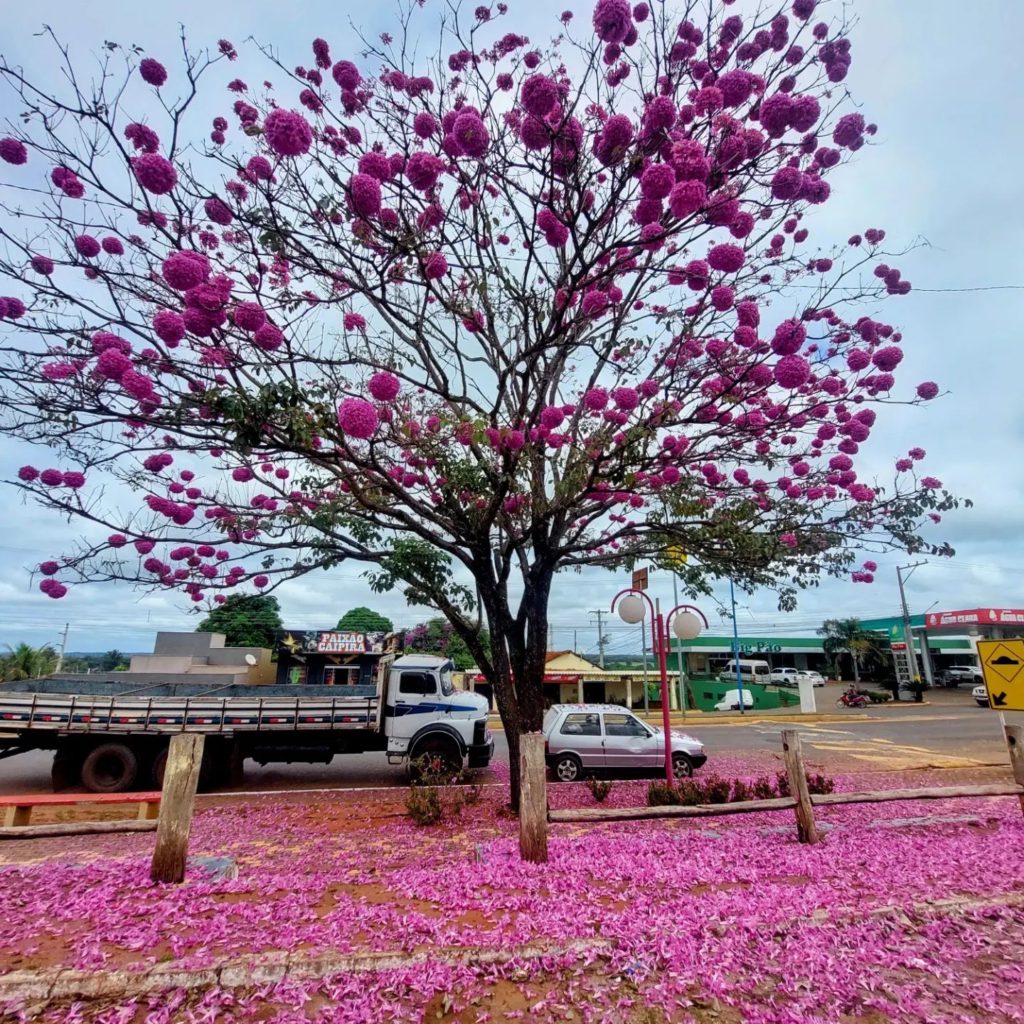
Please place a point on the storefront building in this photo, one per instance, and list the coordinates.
(330, 658)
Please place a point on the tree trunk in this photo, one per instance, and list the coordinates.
(519, 651)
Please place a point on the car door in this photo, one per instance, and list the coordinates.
(580, 733)
(629, 744)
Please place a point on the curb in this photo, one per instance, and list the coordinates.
(39, 988)
(270, 968)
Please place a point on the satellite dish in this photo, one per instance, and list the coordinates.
(250, 659)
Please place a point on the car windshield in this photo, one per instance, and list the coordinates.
(447, 686)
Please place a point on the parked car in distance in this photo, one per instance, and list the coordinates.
(815, 678)
(731, 701)
(980, 695)
(583, 739)
(784, 676)
(957, 674)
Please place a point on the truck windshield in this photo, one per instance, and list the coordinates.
(447, 686)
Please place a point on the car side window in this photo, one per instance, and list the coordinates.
(420, 683)
(623, 725)
(580, 724)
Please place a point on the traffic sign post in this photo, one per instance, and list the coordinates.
(1002, 665)
(639, 579)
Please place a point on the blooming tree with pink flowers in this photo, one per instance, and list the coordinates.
(515, 307)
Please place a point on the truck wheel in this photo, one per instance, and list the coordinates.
(159, 766)
(568, 768)
(67, 769)
(110, 768)
(212, 771)
(682, 766)
(434, 758)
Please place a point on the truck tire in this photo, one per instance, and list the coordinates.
(221, 766)
(66, 772)
(157, 768)
(110, 768)
(441, 757)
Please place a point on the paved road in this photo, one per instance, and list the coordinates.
(949, 732)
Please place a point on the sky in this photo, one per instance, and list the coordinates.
(938, 84)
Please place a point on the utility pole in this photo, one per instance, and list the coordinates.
(736, 647)
(599, 615)
(63, 646)
(908, 636)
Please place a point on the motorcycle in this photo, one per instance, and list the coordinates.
(852, 699)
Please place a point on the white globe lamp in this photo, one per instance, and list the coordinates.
(686, 626)
(632, 609)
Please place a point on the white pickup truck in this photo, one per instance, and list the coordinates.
(110, 739)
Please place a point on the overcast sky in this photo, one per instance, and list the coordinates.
(941, 81)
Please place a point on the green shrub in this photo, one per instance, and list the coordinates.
(691, 792)
(820, 783)
(879, 696)
(599, 789)
(716, 790)
(423, 805)
(741, 792)
(661, 794)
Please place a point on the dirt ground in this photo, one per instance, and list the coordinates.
(911, 911)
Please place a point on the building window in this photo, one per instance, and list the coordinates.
(335, 675)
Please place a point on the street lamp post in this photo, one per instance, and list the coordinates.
(686, 623)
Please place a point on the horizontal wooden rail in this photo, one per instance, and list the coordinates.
(670, 811)
(596, 814)
(77, 828)
(925, 793)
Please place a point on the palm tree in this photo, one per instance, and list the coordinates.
(847, 636)
(27, 662)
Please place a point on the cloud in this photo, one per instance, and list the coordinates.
(940, 170)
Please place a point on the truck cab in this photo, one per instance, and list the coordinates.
(425, 715)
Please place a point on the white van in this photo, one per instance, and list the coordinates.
(749, 672)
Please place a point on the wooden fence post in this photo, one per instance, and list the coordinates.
(184, 759)
(805, 826)
(533, 799)
(1015, 743)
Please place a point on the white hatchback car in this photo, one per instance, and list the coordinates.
(980, 695)
(585, 738)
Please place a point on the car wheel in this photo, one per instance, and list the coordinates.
(682, 766)
(567, 768)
